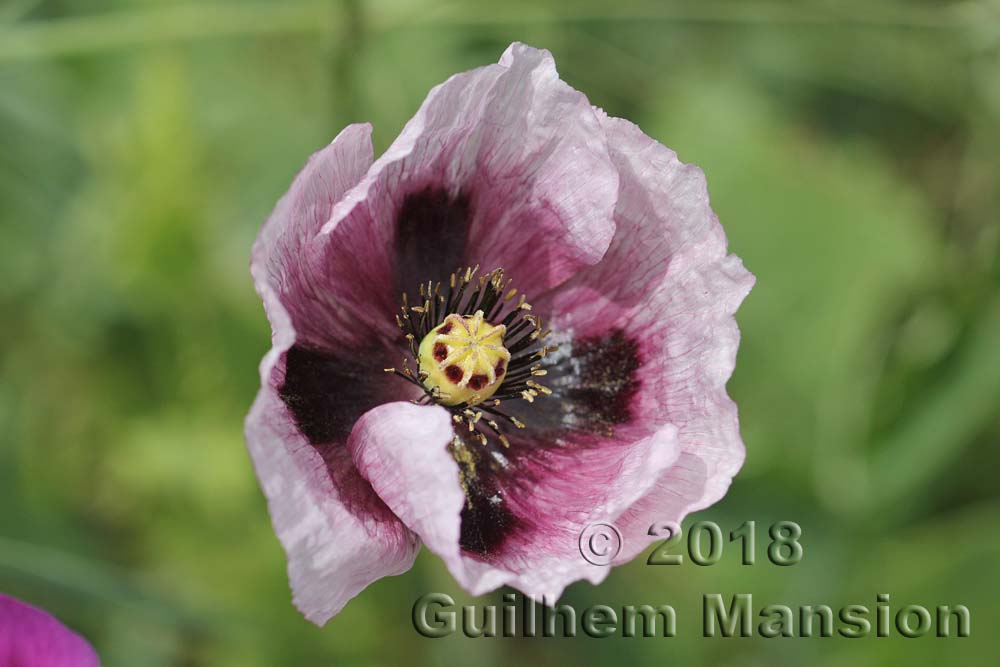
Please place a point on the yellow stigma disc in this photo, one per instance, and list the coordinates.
(463, 359)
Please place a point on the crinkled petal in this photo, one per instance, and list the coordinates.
(402, 450)
(317, 379)
(668, 283)
(287, 269)
(405, 452)
(30, 636)
(549, 496)
(338, 535)
(504, 165)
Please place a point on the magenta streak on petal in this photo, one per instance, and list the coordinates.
(402, 449)
(590, 408)
(288, 271)
(512, 145)
(336, 532)
(668, 280)
(555, 493)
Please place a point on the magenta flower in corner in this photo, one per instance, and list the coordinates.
(517, 322)
(30, 636)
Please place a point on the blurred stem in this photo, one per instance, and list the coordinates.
(346, 51)
(15, 10)
(77, 35)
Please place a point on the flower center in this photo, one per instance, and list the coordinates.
(463, 359)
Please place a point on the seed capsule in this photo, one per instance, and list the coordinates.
(463, 359)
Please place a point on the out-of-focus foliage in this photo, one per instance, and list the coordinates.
(851, 152)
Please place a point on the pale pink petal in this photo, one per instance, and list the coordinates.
(323, 371)
(338, 536)
(504, 165)
(550, 495)
(29, 637)
(287, 269)
(403, 450)
(668, 283)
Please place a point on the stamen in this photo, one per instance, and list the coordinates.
(467, 363)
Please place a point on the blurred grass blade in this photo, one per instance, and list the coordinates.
(77, 35)
(82, 577)
(950, 419)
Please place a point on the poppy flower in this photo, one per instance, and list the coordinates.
(515, 323)
(30, 636)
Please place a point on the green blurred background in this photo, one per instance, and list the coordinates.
(851, 153)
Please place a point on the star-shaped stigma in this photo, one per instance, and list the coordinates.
(464, 358)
